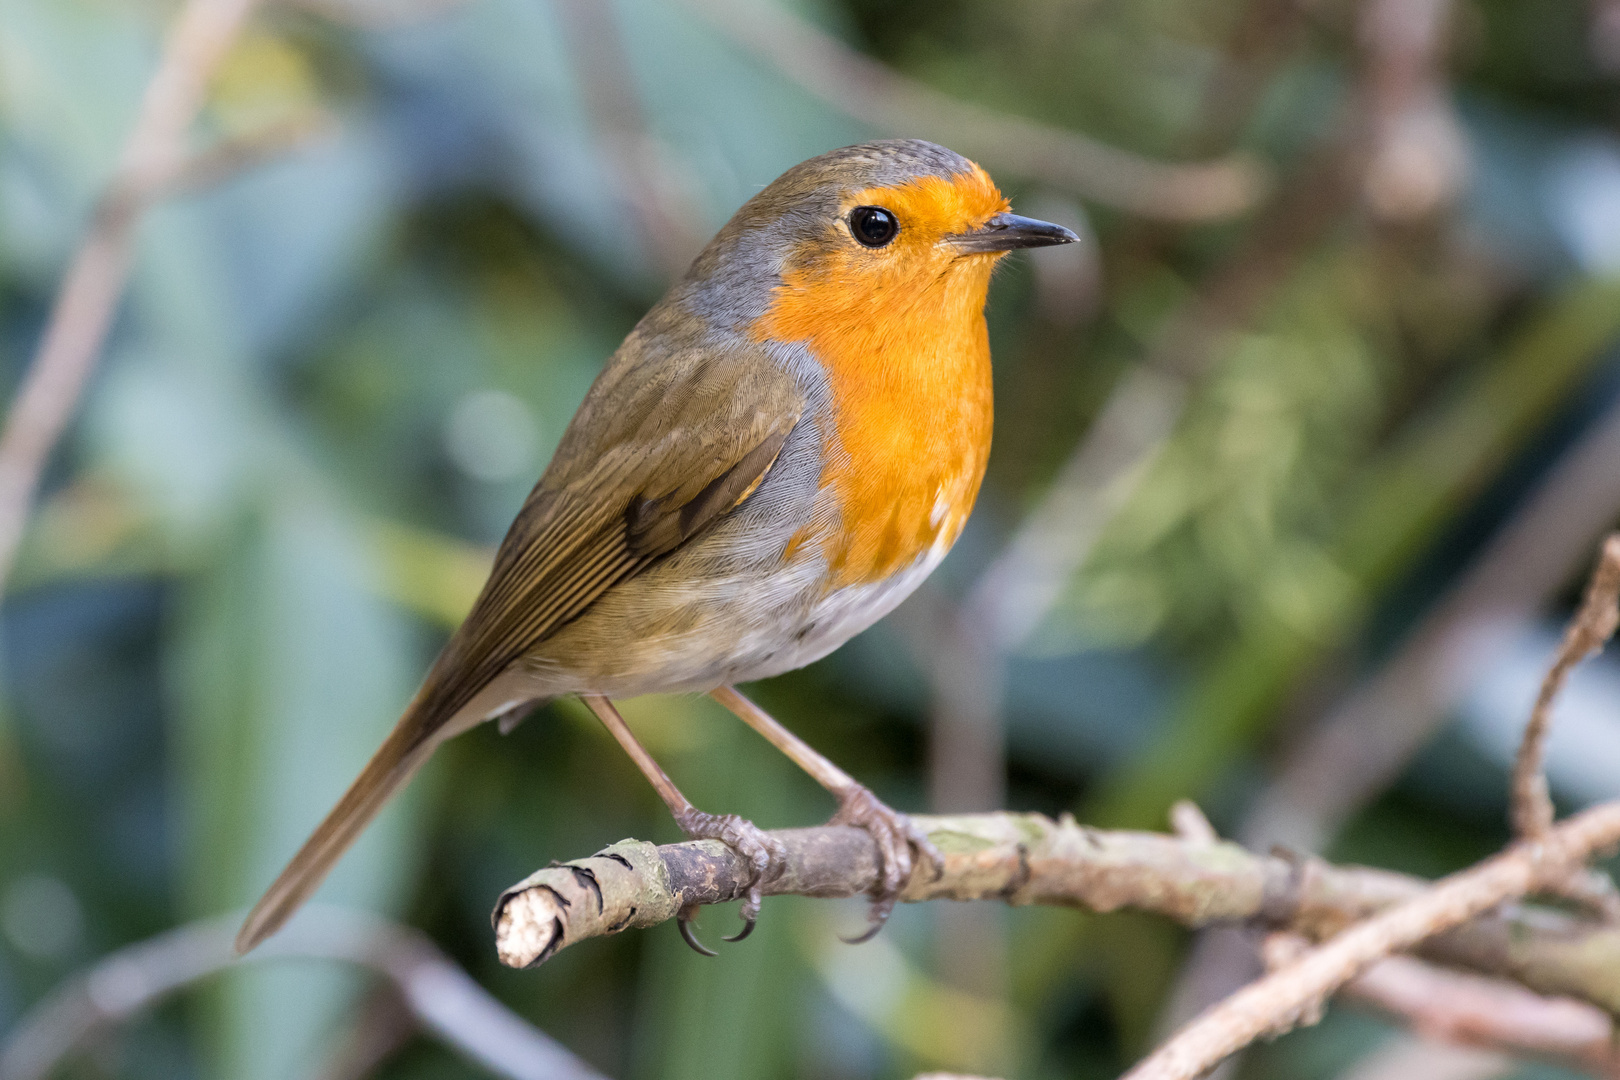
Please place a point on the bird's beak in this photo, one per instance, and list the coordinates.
(1007, 232)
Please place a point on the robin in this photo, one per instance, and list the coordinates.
(779, 453)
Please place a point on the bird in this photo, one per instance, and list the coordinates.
(781, 450)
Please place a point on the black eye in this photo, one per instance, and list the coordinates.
(873, 225)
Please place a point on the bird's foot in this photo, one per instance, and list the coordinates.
(763, 852)
(900, 843)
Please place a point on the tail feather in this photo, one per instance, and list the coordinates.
(400, 755)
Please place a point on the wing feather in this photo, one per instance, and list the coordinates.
(685, 457)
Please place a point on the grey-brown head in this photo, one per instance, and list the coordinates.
(865, 217)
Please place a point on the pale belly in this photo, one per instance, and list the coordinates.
(672, 632)
(842, 613)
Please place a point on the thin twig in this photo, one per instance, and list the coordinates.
(443, 998)
(1546, 857)
(1358, 747)
(871, 92)
(1188, 822)
(1278, 1001)
(1593, 625)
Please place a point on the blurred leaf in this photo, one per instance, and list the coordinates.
(435, 576)
(71, 75)
(936, 1024)
(291, 674)
(264, 78)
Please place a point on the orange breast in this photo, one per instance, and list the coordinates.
(908, 360)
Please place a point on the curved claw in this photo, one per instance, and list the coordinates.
(749, 912)
(765, 856)
(691, 938)
(879, 915)
(871, 932)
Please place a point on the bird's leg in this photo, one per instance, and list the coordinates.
(895, 833)
(763, 853)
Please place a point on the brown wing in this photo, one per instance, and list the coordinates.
(677, 458)
(661, 447)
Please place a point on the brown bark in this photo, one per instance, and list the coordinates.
(1031, 859)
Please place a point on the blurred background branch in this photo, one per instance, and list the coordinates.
(643, 170)
(895, 105)
(438, 996)
(1487, 1014)
(155, 158)
(377, 14)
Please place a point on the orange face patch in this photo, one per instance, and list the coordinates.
(900, 332)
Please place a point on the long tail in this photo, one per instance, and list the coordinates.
(410, 744)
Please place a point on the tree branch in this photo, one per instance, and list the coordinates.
(1281, 1000)
(1592, 625)
(1031, 859)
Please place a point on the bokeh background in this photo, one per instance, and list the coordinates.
(1300, 458)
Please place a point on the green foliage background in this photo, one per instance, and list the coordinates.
(335, 376)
